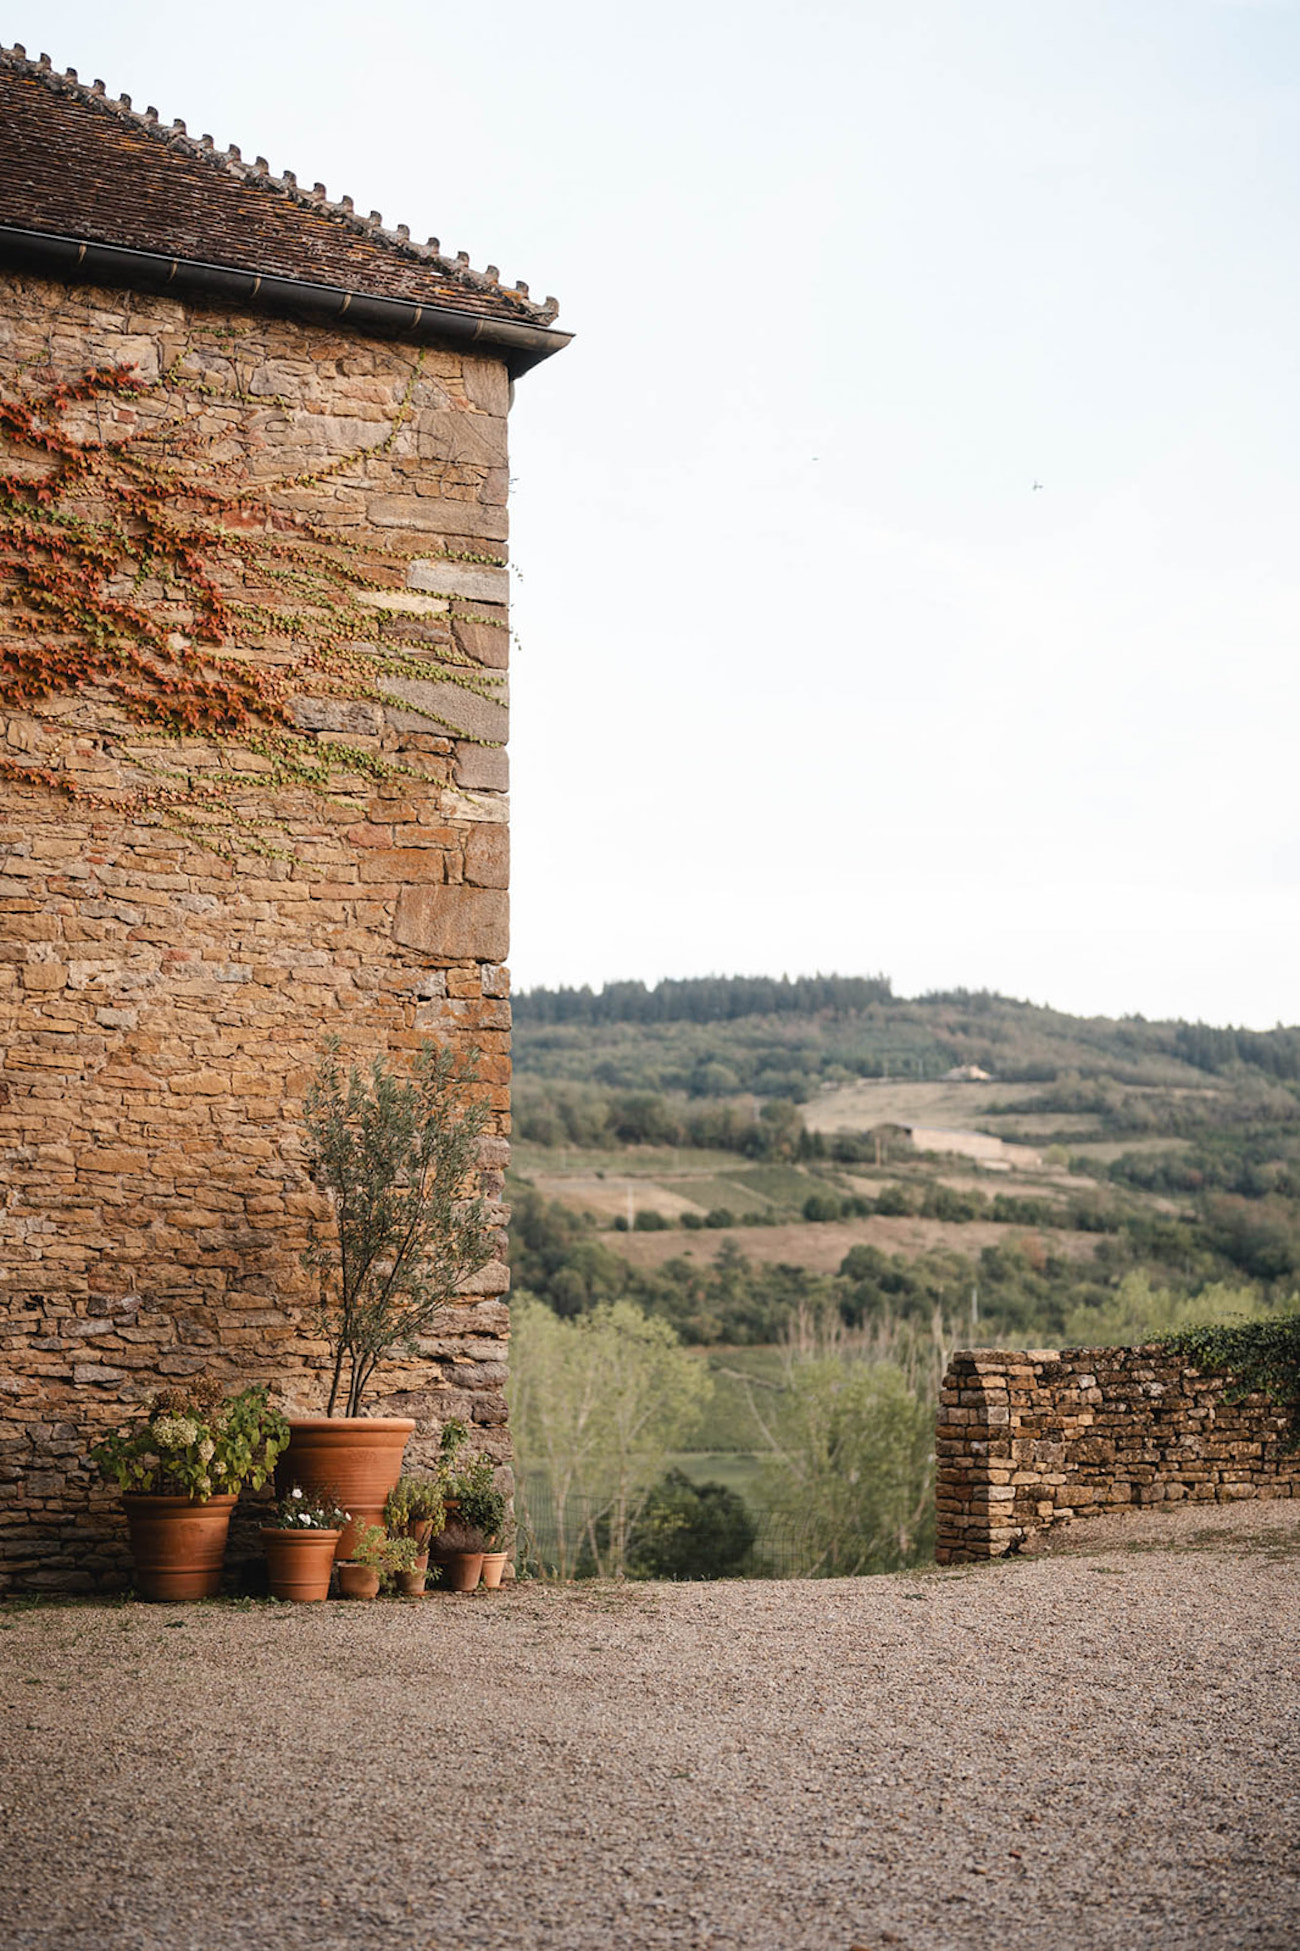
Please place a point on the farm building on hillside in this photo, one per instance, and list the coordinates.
(252, 769)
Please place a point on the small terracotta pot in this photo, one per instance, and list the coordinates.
(299, 1562)
(462, 1570)
(178, 1545)
(358, 1581)
(354, 1459)
(411, 1584)
(421, 1529)
(494, 1565)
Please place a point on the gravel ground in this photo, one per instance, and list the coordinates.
(1089, 1750)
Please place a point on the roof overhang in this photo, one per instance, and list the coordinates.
(519, 345)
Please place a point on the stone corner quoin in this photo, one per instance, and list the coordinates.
(1030, 1439)
(163, 1000)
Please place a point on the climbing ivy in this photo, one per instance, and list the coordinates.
(1259, 1356)
(145, 565)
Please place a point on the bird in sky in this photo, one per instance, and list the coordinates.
(1037, 487)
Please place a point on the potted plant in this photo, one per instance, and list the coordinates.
(496, 1556)
(415, 1506)
(300, 1541)
(480, 1522)
(411, 1579)
(397, 1158)
(374, 1556)
(180, 1466)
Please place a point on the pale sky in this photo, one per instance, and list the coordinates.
(812, 676)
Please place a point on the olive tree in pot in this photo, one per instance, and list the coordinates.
(397, 1157)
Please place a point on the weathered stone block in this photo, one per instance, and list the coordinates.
(487, 855)
(454, 922)
(474, 581)
(431, 516)
(483, 768)
(449, 706)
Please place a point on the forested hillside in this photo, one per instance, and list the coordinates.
(758, 1164)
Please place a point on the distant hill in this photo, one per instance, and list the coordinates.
(739, 1155)
(715, 1036)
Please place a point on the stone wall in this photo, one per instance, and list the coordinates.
(163, 1002)
(1026, 1441)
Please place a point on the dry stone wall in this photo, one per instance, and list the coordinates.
(163, 1002)
(1029, 1440)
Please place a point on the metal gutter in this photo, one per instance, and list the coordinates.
(521, 346)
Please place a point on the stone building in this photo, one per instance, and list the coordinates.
(253, 649)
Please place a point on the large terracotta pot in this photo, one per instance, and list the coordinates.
(178, 1545)
(354, 1459)
(299, 1562)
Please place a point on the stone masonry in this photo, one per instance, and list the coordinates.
(1029, 1440)
(163, 1003)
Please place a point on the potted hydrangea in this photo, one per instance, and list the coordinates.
(180, 1466)
(300, 1543)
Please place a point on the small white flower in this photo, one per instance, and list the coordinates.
(296, 1491)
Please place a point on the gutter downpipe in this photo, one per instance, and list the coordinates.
(520, 346)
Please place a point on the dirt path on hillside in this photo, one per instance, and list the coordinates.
(1073, 1753)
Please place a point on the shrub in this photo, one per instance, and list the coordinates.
(691, 1531)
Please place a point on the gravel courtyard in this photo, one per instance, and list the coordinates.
(1096, 1747)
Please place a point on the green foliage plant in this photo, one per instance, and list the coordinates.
(415, 1505)
(374, 1546)
(192, 1442)
(397, 1157)
(455, 1435)
(480, 1506)
(1260, 1357)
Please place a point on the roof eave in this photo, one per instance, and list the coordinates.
(517, 343)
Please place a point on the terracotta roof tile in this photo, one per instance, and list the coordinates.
(75, 163)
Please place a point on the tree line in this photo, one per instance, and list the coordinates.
(702, 999)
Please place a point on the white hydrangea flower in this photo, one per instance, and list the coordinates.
(175, 1432)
